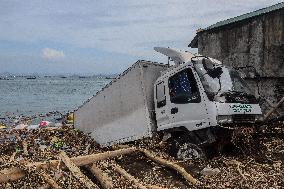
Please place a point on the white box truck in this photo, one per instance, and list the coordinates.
(194, 101)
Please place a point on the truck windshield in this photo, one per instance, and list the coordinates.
(230, 80)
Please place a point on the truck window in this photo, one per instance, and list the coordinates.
(160, 95)
(183, 88)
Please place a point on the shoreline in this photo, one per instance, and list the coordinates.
(11, 119)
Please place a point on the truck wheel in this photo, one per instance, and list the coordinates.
(186, 151)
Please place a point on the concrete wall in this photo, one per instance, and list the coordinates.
(271, 88)
(257, 42)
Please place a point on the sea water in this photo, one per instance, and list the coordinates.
(45, 94)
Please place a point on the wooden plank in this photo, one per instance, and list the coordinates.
(76, 171)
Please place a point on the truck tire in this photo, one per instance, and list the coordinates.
(183, 150)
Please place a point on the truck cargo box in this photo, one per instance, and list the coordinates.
(124, 109)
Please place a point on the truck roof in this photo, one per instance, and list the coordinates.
(145, 62)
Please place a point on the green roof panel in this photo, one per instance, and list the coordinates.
(246, 16)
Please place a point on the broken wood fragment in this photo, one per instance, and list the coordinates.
(12, 158)
(104, 180)
(25, 148)
(76, 171)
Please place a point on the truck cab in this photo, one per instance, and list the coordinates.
(199, 92)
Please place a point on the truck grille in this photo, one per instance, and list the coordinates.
(240, 118)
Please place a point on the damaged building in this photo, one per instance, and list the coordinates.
(252, 43)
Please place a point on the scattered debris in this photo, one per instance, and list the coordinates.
(63, 157)
(208, 171)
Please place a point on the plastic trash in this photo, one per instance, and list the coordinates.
(42, 147)
(70, 118)
(20, 126)
(32, 127)
(44, 123)
(58, 125)
(208, 171)
(2, 126)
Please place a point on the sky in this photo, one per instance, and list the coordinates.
(103, 36)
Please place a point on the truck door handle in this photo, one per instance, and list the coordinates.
(174, 110)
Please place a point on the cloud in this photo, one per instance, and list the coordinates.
(52, 54)
(108, 29)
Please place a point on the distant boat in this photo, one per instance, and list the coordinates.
(63, 77)
(110, 77)
(4, 78)
(82, 77)
(31, 77)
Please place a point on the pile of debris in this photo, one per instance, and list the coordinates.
(63, 157)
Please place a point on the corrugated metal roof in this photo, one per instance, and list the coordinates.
(246, 16)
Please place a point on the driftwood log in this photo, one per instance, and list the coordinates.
(76, 172)
(51, 184)
(104, 180)
(129, 177)
(171, 165)
(133, 180)
(16, 173)
(50, 181)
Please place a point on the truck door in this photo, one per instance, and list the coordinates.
(186, 107)
(162, 115)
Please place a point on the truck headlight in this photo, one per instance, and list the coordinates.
(224, 119)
